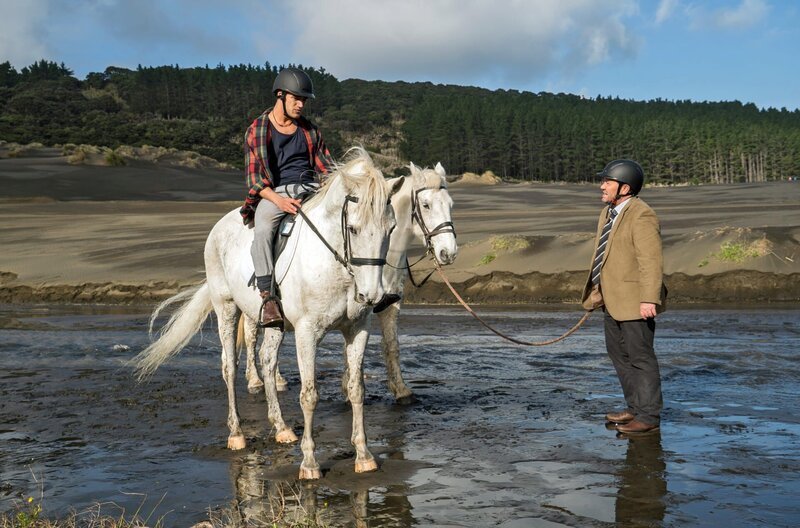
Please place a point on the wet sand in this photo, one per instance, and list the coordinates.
(136, 233)
(499, 436)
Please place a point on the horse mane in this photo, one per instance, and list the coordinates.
(359, 174)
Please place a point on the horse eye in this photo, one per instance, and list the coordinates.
(426, 205)
(353, 230)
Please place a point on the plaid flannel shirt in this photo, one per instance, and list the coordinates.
(256, 166)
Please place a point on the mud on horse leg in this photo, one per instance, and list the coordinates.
(269, 361)
(227, 319)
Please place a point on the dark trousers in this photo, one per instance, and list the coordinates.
(630, 347)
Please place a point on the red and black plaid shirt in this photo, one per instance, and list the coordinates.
(256, 165)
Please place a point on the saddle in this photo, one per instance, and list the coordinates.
(280, 239)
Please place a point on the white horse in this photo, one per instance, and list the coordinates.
(329, 279)
(423, 210)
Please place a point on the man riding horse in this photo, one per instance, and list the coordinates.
(284, 153)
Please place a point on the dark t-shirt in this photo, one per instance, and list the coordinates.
(288, 159)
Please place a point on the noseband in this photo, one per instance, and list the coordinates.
(416, 215)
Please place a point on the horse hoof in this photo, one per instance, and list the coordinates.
(286, 436)
(236, 442)
(281, 386)
(408, 399)
(255, 388)
(310, 474)
(365, 466)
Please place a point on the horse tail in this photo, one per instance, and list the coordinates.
(181, 327)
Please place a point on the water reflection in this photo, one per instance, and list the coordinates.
(642, 486)
(267, 492)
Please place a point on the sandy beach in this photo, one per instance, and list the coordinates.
(497, 434)
(135, 234)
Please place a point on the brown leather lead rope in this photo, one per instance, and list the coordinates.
(484, 323)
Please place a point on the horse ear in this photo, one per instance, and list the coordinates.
(418, 175)
(440, 170)
(396, 187)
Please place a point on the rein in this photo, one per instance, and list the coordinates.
(448, 227)
(347, 260)
(497, 332)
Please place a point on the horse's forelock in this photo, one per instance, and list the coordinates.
(432, 179)
(370, 187)
(361, 178)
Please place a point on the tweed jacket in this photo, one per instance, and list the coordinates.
(633, 266)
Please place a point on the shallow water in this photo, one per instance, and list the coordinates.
(500, 435)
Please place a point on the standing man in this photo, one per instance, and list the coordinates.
(284, 153)
(626, 279)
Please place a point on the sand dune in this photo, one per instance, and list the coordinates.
(135, 233)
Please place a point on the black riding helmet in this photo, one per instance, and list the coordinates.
(294, 81)
(624, 171)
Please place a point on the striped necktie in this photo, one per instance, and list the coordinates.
(601, 246)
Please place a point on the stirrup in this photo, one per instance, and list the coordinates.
(276, 323)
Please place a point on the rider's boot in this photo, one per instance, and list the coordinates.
(270, 316)
(386, 301)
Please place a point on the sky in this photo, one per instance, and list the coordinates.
(701, 50)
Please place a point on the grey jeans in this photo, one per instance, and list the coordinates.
(267, 218)
(630, 347)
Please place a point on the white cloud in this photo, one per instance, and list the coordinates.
(22, 29)
(747, 14)
(665, 10)
(505, 41)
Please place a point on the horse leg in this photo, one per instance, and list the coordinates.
(391, 354)
(254, 383)
(227, 318)
(356, 342)
(280, 381)
(306, 344)
(269, 361)
(345, 374)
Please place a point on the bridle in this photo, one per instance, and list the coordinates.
(428, 234)
(346, 260)
(416, 215)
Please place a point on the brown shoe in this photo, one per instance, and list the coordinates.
(620, 417)
(270, 313)
(637, 427)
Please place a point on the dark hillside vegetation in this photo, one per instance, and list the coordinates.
(518, 135)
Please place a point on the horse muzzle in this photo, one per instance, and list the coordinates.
(369, 298)
(446, 255)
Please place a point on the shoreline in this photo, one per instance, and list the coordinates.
(740, 287)
(135, 235)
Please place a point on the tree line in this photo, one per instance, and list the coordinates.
(520, 135)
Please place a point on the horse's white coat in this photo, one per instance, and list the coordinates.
(318, 295)
(435, 207)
